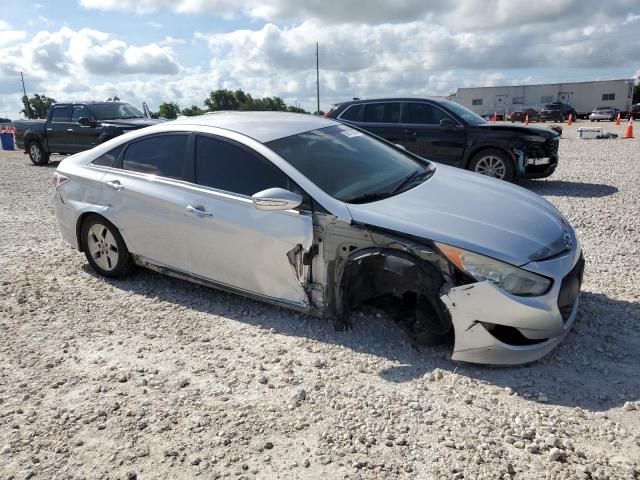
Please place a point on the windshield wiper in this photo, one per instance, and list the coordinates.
(415, 175)
(369, 197)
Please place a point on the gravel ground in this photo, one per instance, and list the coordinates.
(155, 378)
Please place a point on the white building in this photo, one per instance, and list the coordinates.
(583, 96)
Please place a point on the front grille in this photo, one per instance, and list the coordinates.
(569, 289)
(549, 149)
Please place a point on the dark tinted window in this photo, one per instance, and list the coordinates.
(226, 166)
(60, 114)
(382, 112)
(424, 113)
(80, 111)
(109, 158)
(352, 113)
(159, 155)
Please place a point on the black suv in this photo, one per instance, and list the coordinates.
(557, 112)
(447, 132)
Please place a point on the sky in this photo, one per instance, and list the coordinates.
(179, 50)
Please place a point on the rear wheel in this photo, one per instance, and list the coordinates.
(104, 247)
(37, 154)
(493, 163)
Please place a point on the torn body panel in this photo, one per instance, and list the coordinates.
(493, 328)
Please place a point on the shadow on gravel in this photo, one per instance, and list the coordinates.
(562, 188)
(596, 367)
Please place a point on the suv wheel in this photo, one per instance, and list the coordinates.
(493, 163)
(37, 154)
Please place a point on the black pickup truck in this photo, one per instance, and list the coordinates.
(77, 126)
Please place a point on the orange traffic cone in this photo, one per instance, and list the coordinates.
(628, 132)
(570, 121)
(618, 119)
(526, 119)
(495, 117)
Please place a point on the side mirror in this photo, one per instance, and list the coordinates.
(447, 123)
(276, 199)
(85, 122)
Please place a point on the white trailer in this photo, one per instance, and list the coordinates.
(583, 96)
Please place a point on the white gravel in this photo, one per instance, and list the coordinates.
(155, 378)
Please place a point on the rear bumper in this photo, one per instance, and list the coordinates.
(67, 220)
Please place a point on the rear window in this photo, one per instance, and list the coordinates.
(552, 106)
(61, 114)
(161, 155)
(352, 113)
(382, 112)
(109, 158)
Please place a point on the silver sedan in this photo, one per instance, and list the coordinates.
(313, 215)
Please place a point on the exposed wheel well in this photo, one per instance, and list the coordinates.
(406, 287)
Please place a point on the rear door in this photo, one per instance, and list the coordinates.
(146, 193)
(382, 119)
(424, 136)
(60, 131)
(238, 245)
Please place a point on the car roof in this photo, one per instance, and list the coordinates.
(391, 99)
(261, 126)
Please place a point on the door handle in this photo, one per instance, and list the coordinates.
(199, 211)
(408, 131)
(116, 185)
(69, 129)
(49, 129)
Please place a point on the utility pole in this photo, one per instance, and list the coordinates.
(317, 80)
(27, 106)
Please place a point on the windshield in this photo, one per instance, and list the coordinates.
(111, 111)
(463, 112)
(349, 165)
(553, 106)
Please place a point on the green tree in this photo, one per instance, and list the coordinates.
(240, 100)
(222, 100)
(320, 113)
(5, 120)
(296, 109)
(192, 111)
(37, 106)
(169, 110)
(115, 98)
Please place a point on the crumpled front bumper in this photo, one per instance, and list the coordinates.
(477, 306)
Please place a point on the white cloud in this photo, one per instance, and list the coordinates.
(8, 35)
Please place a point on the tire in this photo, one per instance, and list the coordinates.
(37, 154)
(493, 163)
(104, 247)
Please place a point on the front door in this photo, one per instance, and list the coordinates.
(238, 245)
(85, 137)
(60, 131)
(424, 136)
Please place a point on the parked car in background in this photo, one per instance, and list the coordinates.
(499, 116)
(316, 216)
(447, 132)
(603, 113)
(557, 112)
(521, 114)
(634, 112)
(77, 126)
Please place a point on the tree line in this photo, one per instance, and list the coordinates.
(221, 99)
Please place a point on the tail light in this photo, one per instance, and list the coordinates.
(58, 179)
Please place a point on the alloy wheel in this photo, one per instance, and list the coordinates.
(102, 247)
(491, 166)
(34, 151)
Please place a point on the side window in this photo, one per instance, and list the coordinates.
(158, 155)
(424, 114)
(80, 111)
(382, 112)
(109, 158)
(352, 113)
(223, 165)
(60, 114)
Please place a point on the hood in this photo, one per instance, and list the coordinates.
(474, 212)
(499, 127)
(131, 122)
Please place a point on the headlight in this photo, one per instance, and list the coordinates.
(512, 279)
